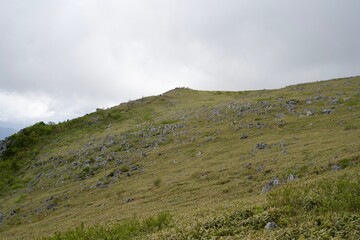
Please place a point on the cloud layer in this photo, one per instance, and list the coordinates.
(62, 58)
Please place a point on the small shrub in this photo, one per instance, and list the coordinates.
(157, 182)
(124, 168)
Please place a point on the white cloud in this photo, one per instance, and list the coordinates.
(16, 107)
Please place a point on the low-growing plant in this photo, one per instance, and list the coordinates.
(126, 230)
(157, 182)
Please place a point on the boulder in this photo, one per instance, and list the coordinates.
(244, 136)
(274, 182)
(309, 112)
(2, 217)
(327, 111)
(270, 225)
(261, 146)
(336, 168)
(2, 146)
(291, 177)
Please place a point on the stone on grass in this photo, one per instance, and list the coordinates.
(2, 217)
(261, 146)
(274, 182)
(291, 177)
(336, 168)
(270, 225)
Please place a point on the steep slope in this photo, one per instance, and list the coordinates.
(204, 157)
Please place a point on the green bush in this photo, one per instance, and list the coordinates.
(125, 230)
(339, 194)
(157, 182)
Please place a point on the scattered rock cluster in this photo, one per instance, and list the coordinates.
(100, 154)
(2, 217)
(275, 181)
(2, 146)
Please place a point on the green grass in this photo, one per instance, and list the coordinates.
(329, 209)
(129, 229)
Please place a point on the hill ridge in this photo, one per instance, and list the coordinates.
(187, 151)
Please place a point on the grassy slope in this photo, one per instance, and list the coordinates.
(193, 164)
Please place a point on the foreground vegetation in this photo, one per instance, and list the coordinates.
(192, 165)
(312, 211)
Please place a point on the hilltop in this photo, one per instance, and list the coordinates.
(192, 164)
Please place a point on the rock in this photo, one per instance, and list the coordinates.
(270, 225)
(103, 163)
(37, 210)
(259, 125)
(293, 102)
(259, 169)
(75, 164)
(244, 136)
(2, 217)
(291, 177)
(102, 148)
(327, 111)
(117, 173)
(274, 182)
(280, 115)
(2, 146)
(334, 101)
(247, 165)
(318, 98)
(336, 168)
(309, 112)
(49, 199)
(51, 206)
(134, 168)
(100, 184)
(291, 105)
(261, 146)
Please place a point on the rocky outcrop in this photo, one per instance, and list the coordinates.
(2, 217)
(2, 146)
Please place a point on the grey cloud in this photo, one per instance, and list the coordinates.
(90, 53)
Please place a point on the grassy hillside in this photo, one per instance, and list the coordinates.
(192, 165)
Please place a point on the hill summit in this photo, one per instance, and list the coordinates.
(187, 164)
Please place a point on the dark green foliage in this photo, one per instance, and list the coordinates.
(27, 137)
(346, 162)
(20, 149)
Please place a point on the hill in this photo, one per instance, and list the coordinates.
(192, 164)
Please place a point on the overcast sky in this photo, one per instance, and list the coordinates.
(60, 59)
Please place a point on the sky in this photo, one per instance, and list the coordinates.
(61, 59)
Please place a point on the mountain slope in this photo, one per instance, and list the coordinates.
(212, 160)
